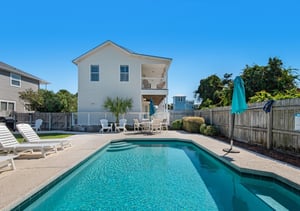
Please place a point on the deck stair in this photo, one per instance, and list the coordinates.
(119, 146)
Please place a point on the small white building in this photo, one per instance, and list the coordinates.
(110, 70)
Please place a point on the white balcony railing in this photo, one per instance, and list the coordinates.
(153, 83)
(93, 118)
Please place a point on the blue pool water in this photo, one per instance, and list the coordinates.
(161, 176)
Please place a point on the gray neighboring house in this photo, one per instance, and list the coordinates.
(13, 81)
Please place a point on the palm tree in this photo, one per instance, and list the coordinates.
(118, 106)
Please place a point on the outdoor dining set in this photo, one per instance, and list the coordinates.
(146, 125)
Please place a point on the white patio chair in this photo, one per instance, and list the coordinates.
(136, 125)
(121, 125)
(37, 125)
(32, 137)
(9, 144)
(156, 125)
(164, 124)
(105, 126)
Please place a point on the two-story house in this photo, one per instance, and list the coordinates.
(110, 70)
(13, 81)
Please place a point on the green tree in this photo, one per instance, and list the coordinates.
(272, 78)
(34, 99)
(207, 90)
(117, 106)
(51, 101)
(225, 95)
(47, 101)
(67, 100)
(214, 91)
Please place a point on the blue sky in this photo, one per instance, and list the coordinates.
(202, 37)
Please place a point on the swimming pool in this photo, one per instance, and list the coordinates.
(160, 175)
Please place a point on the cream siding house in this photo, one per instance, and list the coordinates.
(110, 70)
(13, 81)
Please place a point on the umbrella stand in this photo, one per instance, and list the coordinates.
(231, 136)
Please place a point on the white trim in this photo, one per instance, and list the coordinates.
(128, 68)
(94, 73)
(8, 101)
(14, 79)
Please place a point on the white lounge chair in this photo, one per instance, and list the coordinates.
(8, 160)
(9, 144)
(37, 124)
(105, 126)
(32, 137)
(121, 125)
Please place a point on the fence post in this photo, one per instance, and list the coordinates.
(269, 129)
(50, 121)
(66, 121)
(211, 117)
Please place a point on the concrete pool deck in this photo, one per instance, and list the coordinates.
(32, 174)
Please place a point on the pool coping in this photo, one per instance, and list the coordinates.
(287, 175)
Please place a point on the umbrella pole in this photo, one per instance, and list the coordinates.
(232, 130)
(231, 136)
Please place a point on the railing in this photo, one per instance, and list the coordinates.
(153, 83)
(93, 118)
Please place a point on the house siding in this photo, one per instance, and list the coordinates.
(91, 95)
(11, 93)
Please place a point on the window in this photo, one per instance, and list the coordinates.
(7, 106)
(15, 80)
(28, 107)
(124, 73)
(94, 72)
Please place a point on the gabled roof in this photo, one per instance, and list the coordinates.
(12, 69)
(108, 42)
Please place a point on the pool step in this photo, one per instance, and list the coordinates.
(119, 146)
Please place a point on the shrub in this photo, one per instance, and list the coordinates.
(211, 130)
(192, 124)
(176, 124)
(208, 130)
(203, 128)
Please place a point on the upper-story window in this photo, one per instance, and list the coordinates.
(94, 72)
(15, 80)
(124, 73)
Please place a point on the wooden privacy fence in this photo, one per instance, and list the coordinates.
(277, 129)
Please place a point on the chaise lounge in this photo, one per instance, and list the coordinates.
(8, 160)
(31, 136)
(9, 144)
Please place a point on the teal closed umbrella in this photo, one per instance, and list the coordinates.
(151, 108)
(238, 105)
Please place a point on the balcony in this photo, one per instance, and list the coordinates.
(154, 83)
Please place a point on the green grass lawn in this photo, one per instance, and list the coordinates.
(45, 136)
